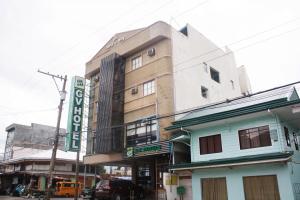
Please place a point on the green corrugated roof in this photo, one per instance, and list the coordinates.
(233, 113)
(241, 159)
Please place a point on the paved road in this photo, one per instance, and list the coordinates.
(21, 198)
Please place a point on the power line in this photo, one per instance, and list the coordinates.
(234, 101)
(102, 28)
(241, 40)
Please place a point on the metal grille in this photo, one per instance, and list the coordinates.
(109, 136)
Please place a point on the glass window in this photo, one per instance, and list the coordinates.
(140, 132)
(149, 88)
(255, 137)
(136, 62)
(210, 144)
(214, 74)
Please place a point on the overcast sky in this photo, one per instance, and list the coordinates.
(60, 36)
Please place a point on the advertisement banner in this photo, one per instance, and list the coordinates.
(76, 103)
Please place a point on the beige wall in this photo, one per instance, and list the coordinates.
(159, 69)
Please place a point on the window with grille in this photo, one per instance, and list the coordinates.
(255, 137)
(149, 88)
(210, 144)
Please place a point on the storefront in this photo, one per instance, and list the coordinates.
(149, 162)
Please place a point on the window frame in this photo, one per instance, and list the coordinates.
(260, 135)
(149, 136)
(148, 90)
(134, 64)
(210, 140)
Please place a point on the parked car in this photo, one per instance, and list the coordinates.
(117, 189)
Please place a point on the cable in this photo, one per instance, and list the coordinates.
(192, 8)
(233, 101)
(239, 41)
(104, 27)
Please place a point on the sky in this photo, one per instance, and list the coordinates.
(60, 36)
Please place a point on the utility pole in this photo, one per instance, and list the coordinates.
(56, 139)
(76, 175)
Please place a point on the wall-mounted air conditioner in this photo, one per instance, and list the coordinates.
(151, 52)
(134, 90)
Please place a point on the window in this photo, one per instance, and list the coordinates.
(204, 91)
(214, 74)
(287, 136)
(149, 88)
(261, 187)
(296, 141)
(255, 137)
(214, 188)
(136, 62)
(141, 132)
(210, 144)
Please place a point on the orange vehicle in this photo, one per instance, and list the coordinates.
(66, 189)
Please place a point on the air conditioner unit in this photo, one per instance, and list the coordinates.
(134, 90)
(151, 52)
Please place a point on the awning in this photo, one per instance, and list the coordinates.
(238, 161)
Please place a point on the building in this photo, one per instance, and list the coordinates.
(244, 148)
(34, 169)
(140, 76)
(22, 139)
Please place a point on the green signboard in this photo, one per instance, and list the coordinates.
(73, 138)
(131, 151)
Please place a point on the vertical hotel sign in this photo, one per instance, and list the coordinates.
(73, 138)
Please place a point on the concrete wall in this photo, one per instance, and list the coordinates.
(230, 139)
(234, 179)
(189, 53)
(35, 136)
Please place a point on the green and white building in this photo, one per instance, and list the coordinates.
(244, 148)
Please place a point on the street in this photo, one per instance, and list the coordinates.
(19, 198)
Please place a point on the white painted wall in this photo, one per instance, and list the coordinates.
(190, 75)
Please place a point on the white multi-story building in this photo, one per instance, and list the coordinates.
(139, 77)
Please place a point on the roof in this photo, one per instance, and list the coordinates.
(252, 159)
(45, 155)
(270, 99)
